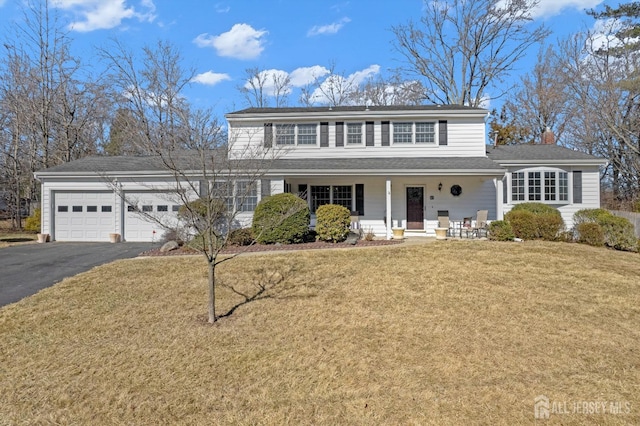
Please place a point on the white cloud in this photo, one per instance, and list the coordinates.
(338, 84)
(328, 29)
(305, 75)
(548, 8)
(241, 42)
(104, 14)
(210, 78)
(222, 8)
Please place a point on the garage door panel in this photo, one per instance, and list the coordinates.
(83, 224)
(138, 226)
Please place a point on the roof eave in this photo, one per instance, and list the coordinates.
(388, 172)
(318, 115)
(584, 162)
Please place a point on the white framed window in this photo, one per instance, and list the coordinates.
(296, 134)
(517, 186)
(246, 194)
(414, 132)
(341, 195)
(354, 134)
(540, 186)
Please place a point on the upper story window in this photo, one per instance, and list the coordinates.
(296, 134)
(354, 133)
(551, 186)
(414, 132)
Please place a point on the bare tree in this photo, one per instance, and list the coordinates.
(216, 180)
(262, 85)
(465, 48)
(384, 92)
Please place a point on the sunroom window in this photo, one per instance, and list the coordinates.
(550, 186)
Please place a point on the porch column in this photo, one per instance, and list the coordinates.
(499, 198)
(388, 204)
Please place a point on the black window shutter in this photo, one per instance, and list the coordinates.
(302, 191)
(442, 133)
(577, 186)
(369, 127)
(324, 135)
(265, 187)
(268, 135)
(339, 133)
(385, 133)
(360, 198)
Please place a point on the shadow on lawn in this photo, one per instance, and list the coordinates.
(16, 240)
(267, 285)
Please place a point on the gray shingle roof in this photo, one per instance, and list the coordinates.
(355, 108)
(535, 152)
(373, 164)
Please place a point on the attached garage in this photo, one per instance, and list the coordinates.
(83, 216)
(146, 211)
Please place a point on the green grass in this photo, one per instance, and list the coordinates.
(446, 333)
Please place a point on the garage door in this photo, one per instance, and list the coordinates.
(83, 216)
(148, 215)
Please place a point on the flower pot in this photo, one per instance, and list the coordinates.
(43, 238)
(441, 233)
(398, 233)
(114, 238)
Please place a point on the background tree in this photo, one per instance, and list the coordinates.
(462, 49)
(262, 85)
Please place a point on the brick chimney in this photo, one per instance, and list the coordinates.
(548, 138)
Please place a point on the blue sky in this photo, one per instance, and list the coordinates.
(299, 37)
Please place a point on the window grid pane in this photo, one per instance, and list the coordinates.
(402, 132)
(517, 186)
(342, 196)
(535, 187)
(354, 133)
(307, 134)
(425, 133)
(224, 191)
(285, 134)
(246, 196)
(550, 186)
(320, 195)
(563, 186)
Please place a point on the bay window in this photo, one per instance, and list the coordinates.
(546, 185)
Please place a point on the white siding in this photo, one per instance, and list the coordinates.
(590, 192)
(465, 139)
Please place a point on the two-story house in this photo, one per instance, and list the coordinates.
(396, 166)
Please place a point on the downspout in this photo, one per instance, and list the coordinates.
(388, 203)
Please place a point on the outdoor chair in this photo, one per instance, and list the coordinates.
(444, 222)
(481, 223)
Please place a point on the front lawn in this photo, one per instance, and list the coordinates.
(445, 333)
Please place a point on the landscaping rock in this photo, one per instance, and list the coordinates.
(352, 238)
(169, 245)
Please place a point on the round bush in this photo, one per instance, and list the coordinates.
(523, 223)
(549, 225)
(618, 231)
(590, 233)
(536, 208)
(332, 222)
(281, 218)
(241, 237)
(500, 230)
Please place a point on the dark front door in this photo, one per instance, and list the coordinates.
(415, 207)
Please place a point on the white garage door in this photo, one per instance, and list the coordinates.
(83, 216)
(148, 215)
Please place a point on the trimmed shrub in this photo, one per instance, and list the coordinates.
(332, 222)
(536, 208)
(549, 226)
(618, 231)
(281, 218)
(590, 233)
(500, 230)
(241, 237)
(523, 224)
(32, 224)
(535, 220)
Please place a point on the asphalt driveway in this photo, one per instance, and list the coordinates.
(27, 269)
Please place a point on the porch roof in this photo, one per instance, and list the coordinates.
(539, 154)
(388, 166)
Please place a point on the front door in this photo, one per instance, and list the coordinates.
(415, 207)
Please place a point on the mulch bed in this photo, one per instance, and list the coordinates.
(256, 248)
